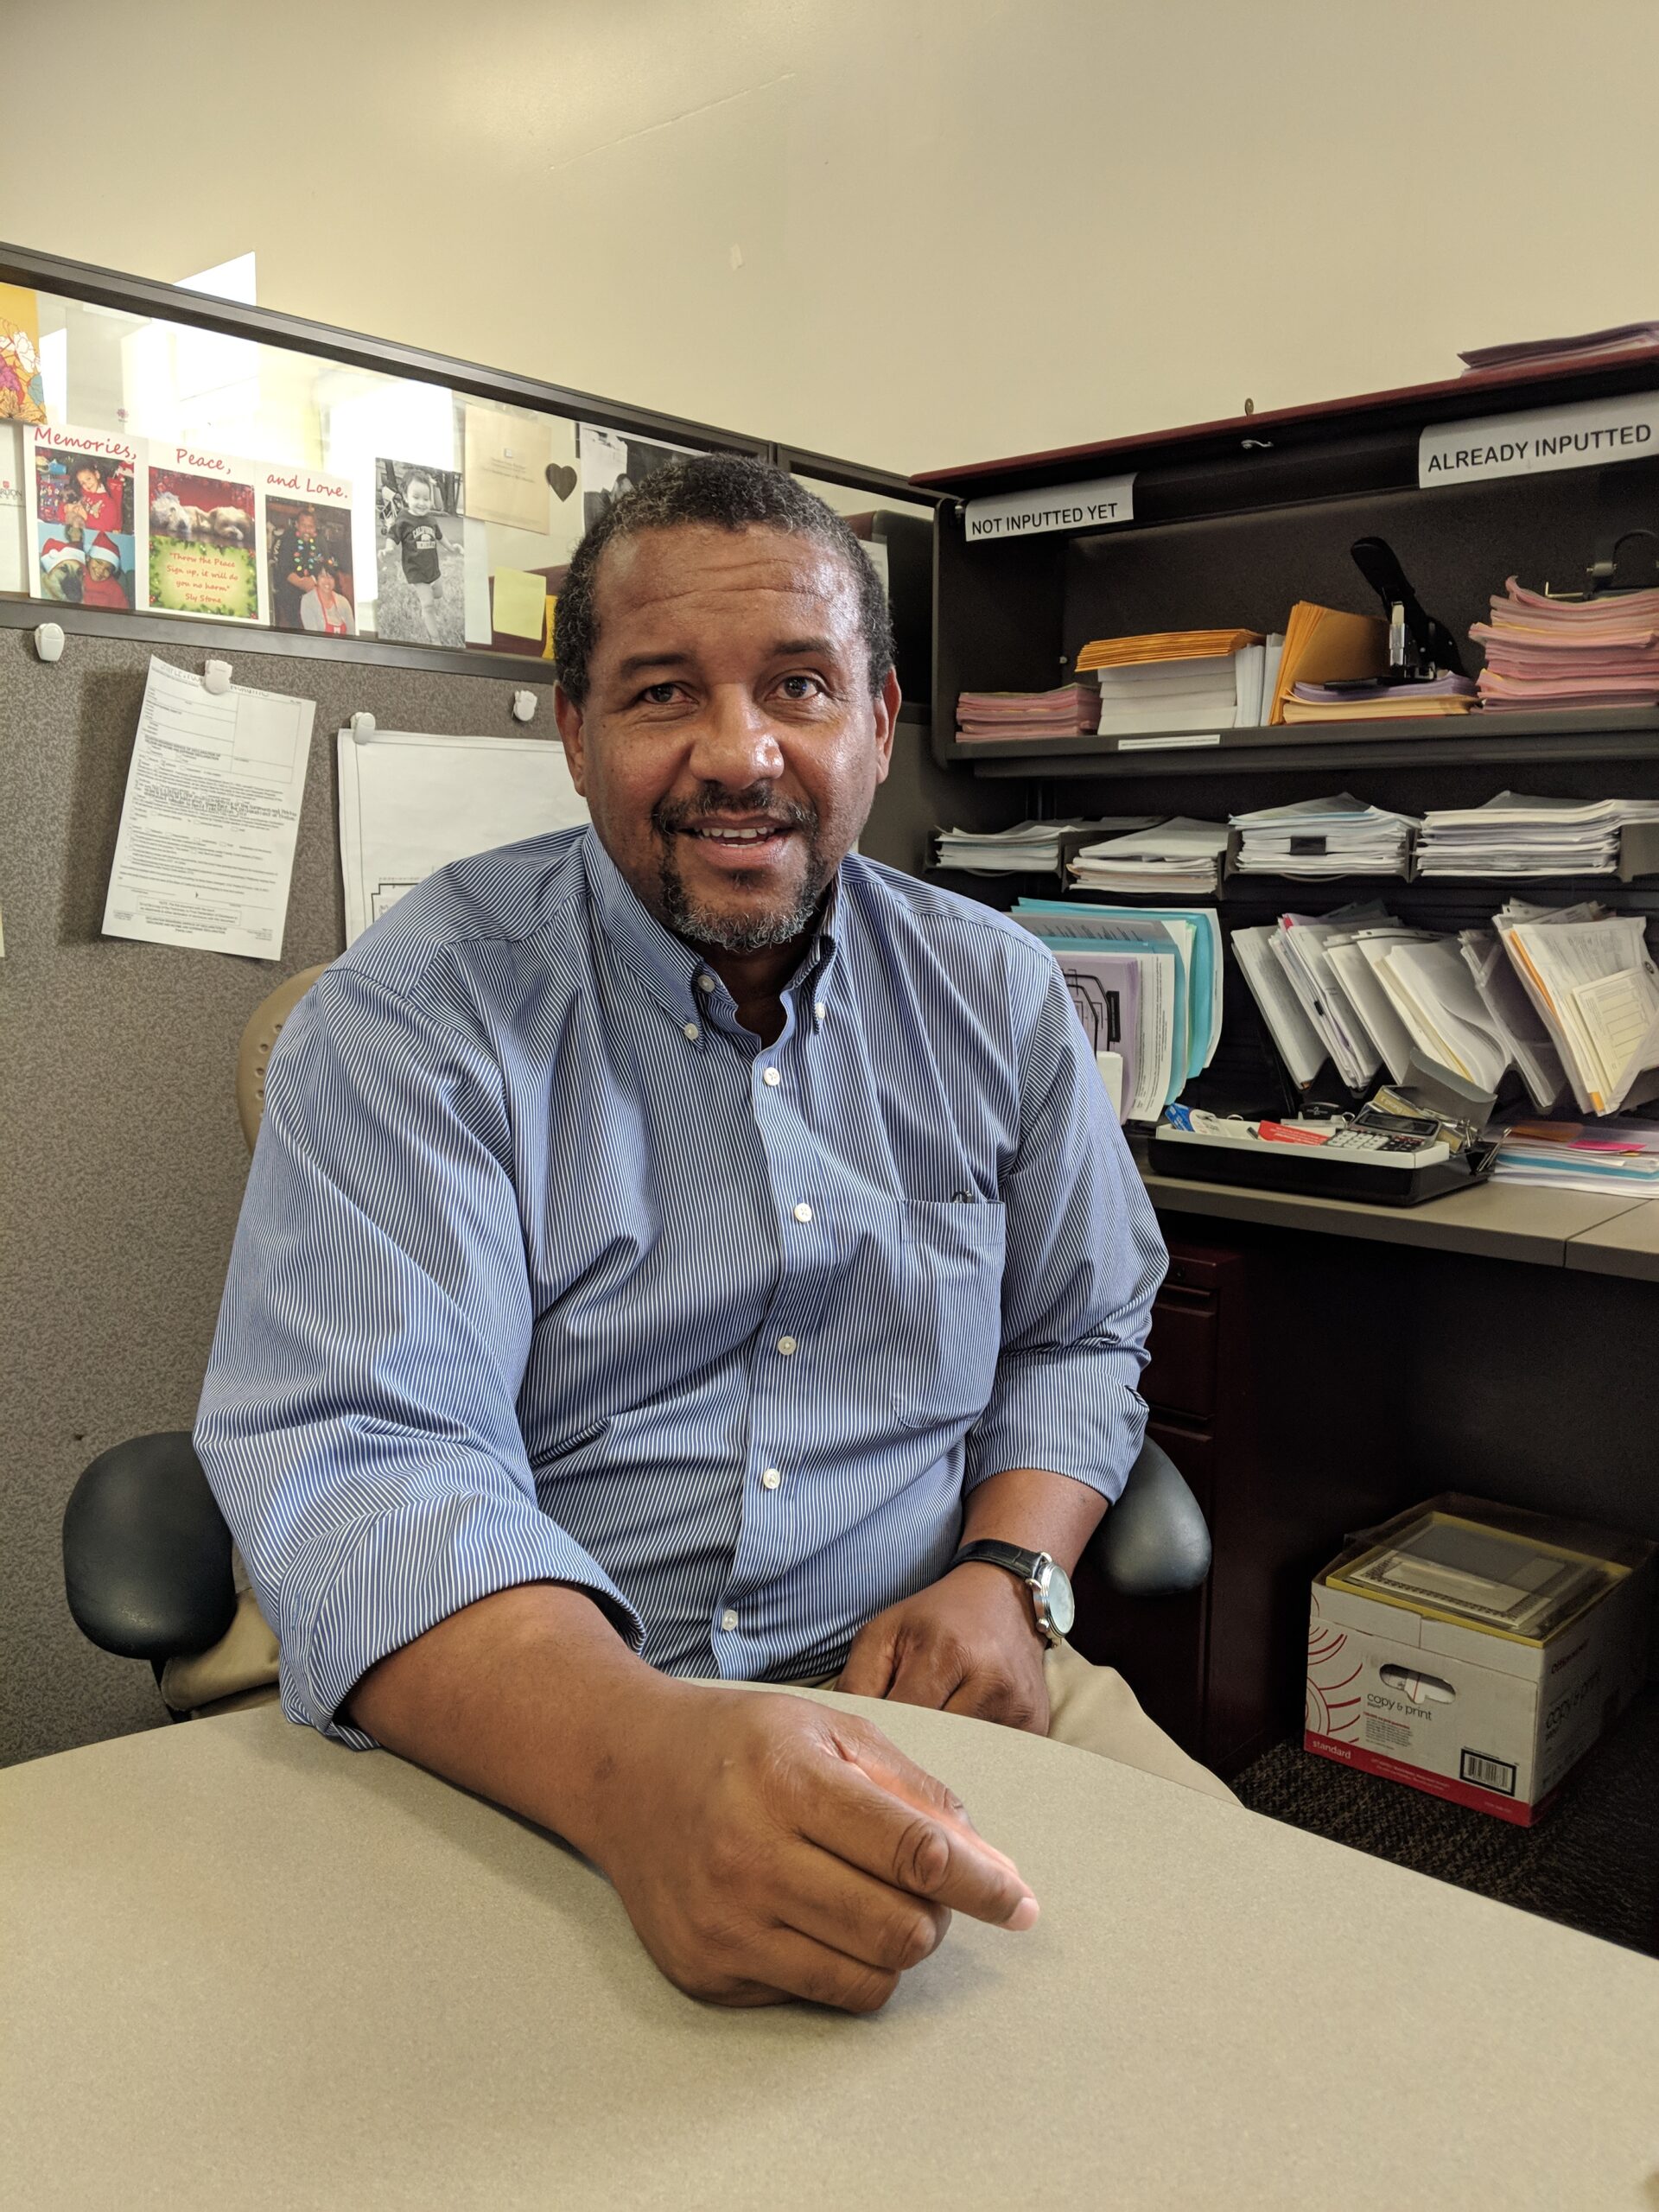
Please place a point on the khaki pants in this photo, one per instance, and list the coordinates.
(1091, 1707)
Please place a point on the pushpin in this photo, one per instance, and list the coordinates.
(523, 706)
(362, 727)
(216, 677)
(48, 640)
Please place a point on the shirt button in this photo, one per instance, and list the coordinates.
(786, 1345)
(818, 1009)
(771, 1479)
(692, 1031)
(705, 982)
(803, 1213)
(729, 1621)
(771, 1078)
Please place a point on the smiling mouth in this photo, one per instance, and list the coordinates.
(752, 835)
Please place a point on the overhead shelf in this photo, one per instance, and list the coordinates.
(1502, 742)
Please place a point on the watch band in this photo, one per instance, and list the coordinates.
(1022, 1563)
(1034, 1569)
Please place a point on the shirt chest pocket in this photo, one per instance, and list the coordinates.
(947, 1326)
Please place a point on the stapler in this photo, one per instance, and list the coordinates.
(1420, 648)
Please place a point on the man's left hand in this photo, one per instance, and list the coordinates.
(967, 1645)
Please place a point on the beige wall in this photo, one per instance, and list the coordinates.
(965, 227)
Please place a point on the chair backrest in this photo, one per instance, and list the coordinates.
(264, 1028)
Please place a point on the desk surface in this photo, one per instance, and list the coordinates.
(1502, 1221)
(232, 1951)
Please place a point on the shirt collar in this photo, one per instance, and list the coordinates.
(666, 963)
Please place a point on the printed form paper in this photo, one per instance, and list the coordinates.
(205, 853)
(410, 803)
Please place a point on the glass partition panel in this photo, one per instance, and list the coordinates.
(238, 479)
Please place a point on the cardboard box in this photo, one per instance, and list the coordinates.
(1477, 1652)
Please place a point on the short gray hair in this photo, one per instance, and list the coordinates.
(726, 491)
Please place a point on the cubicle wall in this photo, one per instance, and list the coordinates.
(123, 1160)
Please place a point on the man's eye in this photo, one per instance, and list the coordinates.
(659, 694)
(801, 687)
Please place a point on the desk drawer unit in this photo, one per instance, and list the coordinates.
(1200, 1662)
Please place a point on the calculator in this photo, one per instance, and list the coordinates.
(1326, 1158)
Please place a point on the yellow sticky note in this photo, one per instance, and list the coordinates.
(520, 603)
(552, 613)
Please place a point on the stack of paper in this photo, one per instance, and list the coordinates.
(1552, 653)
(1029, 848)
(1557, 352)
(1177, 680)
(1514, 837)
(1593, 983)
(1324, 837)
(1147, 985)
(1324, 702)
(1181, 857)
(1617, 1157)
(1069, 711)
(1325, 646)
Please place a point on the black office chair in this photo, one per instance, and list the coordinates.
(147, 1555)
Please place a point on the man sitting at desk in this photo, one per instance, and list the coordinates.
(668, 1244)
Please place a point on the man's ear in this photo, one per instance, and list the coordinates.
(886, 703)
(568, 714)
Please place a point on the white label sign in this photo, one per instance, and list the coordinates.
(1584, 435)
(1094, 505)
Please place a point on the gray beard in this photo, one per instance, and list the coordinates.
(741, 932)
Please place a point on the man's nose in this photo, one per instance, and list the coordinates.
(735, 744)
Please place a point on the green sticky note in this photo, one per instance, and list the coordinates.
(520, 603)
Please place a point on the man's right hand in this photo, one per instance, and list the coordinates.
(767, 1847)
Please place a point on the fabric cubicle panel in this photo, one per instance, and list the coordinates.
(123, 1162)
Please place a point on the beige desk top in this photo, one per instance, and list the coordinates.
(1504, 1221)
(1626, 1245)
(238, 1965)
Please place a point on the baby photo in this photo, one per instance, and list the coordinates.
(420, 555)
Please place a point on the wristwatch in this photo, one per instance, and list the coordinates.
(1048, 1582)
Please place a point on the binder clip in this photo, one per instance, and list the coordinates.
(1600, 578)
(362, 727)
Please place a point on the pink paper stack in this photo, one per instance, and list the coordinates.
(1548, 654)
(1071, 711)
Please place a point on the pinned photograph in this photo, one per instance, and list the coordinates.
(203, 512)
(308, 552)
(420, 553)
(23, 386)
(82, 494)
(612, 464)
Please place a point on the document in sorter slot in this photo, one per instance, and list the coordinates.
(1435, 996)
(1352, 957)
(1516, 1017)
(1555, 960)
(1138, 989)
(1054, 920)
(1323, 645)
(1299, 1044)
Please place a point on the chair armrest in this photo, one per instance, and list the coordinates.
(146, 1553)
(1154, 1542)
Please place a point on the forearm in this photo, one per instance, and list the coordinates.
(1036, 1510)
(521, 1697)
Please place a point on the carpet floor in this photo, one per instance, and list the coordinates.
(1594, 1862)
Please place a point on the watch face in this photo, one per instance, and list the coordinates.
(1058, 1603)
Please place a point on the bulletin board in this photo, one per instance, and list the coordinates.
(123, 1160)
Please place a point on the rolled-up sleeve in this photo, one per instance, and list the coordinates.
(358, 1424)
(1084, 1258)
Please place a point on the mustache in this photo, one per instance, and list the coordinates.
(670, 815)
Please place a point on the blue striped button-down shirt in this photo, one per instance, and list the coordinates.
(549, 1269)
